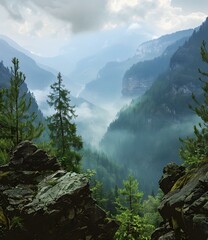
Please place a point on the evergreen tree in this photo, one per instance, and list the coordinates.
(129, 212)
(17, 123)
(62, 128)
(150, 212)
(195, 150)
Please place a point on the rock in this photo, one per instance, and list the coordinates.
(185, 207)
(171, 173)
(40, 201)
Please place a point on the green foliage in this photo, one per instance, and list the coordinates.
(129, 213)
(16, 122)
(62, 128)
(107, 171)
(129, 196)
(150, 212)
(195, 149)
(144, 136)
(132, 227)
(16, 223)
(98, 193)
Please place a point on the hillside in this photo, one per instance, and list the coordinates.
(148, 130)
(138, 79)
(5, 76)
(37, 78)
(108, 84)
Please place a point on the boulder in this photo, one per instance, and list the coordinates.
(184, 207)
(171, 173)
(40, 201)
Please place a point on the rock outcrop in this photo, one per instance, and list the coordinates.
(40, 201)
(184, 206)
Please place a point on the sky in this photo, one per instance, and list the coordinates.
(45, 27)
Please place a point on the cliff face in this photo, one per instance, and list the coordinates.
(184, 207)
(39, 200)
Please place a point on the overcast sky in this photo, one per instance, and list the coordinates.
(45, 26)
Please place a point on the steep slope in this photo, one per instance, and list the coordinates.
(184, 205)
(108, 84)
(5, 75)
(37, 78)
(154, 48)
(145, 135)
(138, 79)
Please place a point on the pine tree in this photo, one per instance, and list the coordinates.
(16, 121)
(129, 211)
(195, 149)
(62, 128)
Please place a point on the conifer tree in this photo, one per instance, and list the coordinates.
(195, 149)
(129, 211)
(63, 133)
(16, 121)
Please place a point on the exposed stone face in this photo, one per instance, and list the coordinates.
(184, 207)
(171, 173)
(45, 202)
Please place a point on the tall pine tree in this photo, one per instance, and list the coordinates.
(16, 120)
(63, 131)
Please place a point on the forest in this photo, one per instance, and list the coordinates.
(115, 190)
(147, 176)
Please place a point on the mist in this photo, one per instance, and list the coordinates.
(92, 120)
(148, 149)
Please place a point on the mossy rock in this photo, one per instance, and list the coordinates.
(4, 175)
(182, 181)
(3, 220)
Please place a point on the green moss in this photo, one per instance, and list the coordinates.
(182, 181)
(16, 223)
(3, 219)
(52, 182)
(4, 175)
(174, 223)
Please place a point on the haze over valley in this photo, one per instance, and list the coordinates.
(130, 67)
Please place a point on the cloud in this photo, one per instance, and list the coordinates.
(42, 20)
(12, 9)
(81, 15)
(52, 16)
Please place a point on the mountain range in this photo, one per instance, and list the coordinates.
(160, 77)
(107, 87)
(145, 135)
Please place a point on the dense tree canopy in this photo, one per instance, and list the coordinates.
(195, 149)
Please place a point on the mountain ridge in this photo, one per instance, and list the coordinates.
(148, 130)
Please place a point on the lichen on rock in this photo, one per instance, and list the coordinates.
(184, 206)
(39, 200)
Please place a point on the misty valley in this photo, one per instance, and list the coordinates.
(110, 146)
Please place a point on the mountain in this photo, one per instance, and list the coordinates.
(36, 77)
(138, 79)
(145, 135)
(154, 48)
(108, 84)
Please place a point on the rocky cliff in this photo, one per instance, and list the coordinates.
(39, 200)
(184, 206)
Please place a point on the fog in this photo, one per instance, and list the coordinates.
(92, 120)
(147, 150)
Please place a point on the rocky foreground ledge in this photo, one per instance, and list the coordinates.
(184, 207)
(40, 201)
